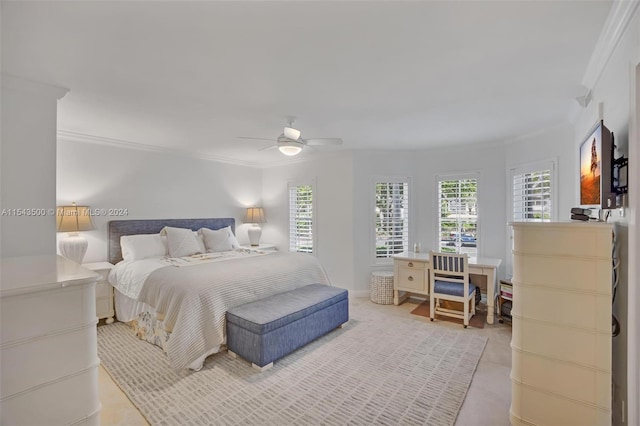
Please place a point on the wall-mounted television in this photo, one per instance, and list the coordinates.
(596, 169)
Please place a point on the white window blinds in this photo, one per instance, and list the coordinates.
(391, 218)
(301, 218)
(458, 215)
(532, 197)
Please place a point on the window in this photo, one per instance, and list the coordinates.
(458, 215)
(301, 218)
(531, 195)
(532, 198)
(391, 217)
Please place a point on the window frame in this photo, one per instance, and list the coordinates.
(531, 167)
(459, 176)
(522, 168)
(378, 261)
(314, 228)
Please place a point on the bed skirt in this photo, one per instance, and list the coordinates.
(149, 328)
(146, 326)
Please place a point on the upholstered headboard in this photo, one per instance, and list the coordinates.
(118, 228)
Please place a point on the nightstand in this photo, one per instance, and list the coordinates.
(262, 246)
(104, 291)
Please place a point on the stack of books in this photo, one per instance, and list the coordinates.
(506, 290)
(578, 213)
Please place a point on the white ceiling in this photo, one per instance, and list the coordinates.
(195, 75)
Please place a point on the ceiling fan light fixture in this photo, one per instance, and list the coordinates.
(291, 133)
(290, 147)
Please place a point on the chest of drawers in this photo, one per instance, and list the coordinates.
(561, 316)
(48, 343)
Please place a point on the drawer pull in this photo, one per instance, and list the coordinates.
(410, 264)
(410, 278)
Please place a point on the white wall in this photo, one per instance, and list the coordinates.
(28, 172)
(633, 357)
(614, 98)
(343, 197)
(423, 167)
(333, 177)
(555, 144)
(151, 185)
(367, 166)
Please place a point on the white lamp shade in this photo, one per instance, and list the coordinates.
(73, 248)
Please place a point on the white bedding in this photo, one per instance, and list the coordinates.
(191, 296)
(128, 309)
(128, 277)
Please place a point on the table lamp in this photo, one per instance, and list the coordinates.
(255, 215)
(73, 219)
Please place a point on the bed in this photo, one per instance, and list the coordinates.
(180, 303)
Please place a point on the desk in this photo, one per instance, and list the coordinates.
(411, 275)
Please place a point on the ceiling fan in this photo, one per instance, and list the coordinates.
(291, 143)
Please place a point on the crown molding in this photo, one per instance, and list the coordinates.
(553, 128)
(620, 15)
(299, 159)
(99, 140)
(13, 82)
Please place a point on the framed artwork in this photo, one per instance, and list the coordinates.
(591, 169)
(596, 169)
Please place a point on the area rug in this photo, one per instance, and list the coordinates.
(476, 321)
(378, 369)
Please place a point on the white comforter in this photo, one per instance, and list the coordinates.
(193, 300)
(128, 277)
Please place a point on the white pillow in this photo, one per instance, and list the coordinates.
(142, 246)
(219, 239)
(200, 239)
(181, 241)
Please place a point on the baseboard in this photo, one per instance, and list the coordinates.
(359, 293)
(366, 293)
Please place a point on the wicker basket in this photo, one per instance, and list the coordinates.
(382, 287)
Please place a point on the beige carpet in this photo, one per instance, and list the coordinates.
(476, 321)
(379, 369)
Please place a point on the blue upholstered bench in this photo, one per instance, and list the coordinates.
(268, 329)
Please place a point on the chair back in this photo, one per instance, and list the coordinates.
(449, 267)
(449, 280)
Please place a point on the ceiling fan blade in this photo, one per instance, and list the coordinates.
(268, 148)
(255, 139)
(323, 141)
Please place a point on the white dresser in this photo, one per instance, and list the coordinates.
(561, 344)
(48, 342)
